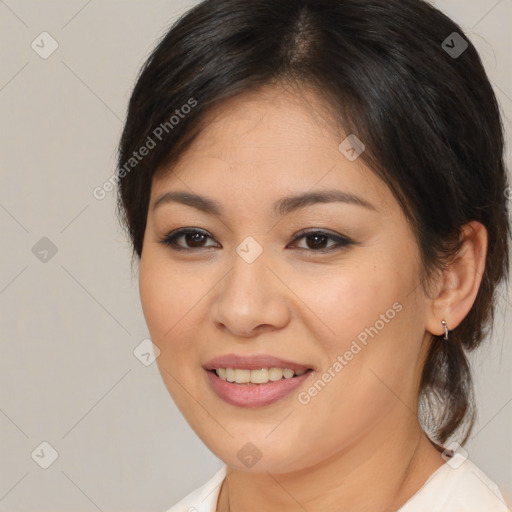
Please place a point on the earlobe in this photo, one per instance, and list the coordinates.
(460, 281)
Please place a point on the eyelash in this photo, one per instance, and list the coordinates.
(340, 241)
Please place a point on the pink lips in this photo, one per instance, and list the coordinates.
(253, 395)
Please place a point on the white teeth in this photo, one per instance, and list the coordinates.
(287, 373)
(261, 376)
(275, 374)
(242, 376)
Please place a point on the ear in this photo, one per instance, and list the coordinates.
(459, 283)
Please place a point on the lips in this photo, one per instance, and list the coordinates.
(253, 362)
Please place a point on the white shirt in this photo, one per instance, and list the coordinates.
(457, 486)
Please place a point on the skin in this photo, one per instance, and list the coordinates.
(297, 303)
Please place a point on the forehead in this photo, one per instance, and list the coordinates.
(268, 143)
(272, 118)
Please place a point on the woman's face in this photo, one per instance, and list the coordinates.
(346, 303)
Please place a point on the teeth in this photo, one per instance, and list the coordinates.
(261, 376)
(275, 374)
(258, 376)
(287, 373)
(242, 376)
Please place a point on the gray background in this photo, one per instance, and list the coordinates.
(70, 321)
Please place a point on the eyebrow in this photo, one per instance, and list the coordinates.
(281, 207)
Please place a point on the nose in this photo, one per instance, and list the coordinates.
(251, 299)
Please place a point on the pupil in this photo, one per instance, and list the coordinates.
(316, 238)
(194, 238)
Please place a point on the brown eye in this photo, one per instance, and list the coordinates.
(316, 241)
(193, 239)
(189, 239)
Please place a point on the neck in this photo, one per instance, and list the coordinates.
(394, 464)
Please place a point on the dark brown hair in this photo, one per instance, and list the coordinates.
(392, 72)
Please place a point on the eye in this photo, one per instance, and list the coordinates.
(194, 238)
(316, 241)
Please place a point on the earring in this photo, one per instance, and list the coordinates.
(445, 326)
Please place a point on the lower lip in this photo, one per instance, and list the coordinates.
(254, 395)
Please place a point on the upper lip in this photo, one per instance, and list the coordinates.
(252, 362)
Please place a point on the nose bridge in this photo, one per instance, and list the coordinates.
(250, 295)
(249, 270)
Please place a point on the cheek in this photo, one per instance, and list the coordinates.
(155, 301)
(167, 296)
(348, 301)
(171, 302)
(364, 314)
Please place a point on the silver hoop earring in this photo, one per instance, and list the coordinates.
(445, 326)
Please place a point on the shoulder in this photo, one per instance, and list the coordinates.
(204, 498)
(457, 486)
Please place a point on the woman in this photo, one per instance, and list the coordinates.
(316, 193)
